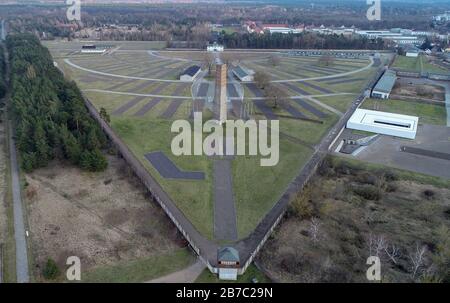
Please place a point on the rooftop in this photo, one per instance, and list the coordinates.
(386, 82)
(240, 71)
(192, 70)
(228, 254)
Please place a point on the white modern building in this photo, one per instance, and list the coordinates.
(190, 73)
(384, 86)
(92, 49)
(215, 47)
(390, 124)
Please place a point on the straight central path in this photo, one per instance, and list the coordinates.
(19, 226)
(225, 225)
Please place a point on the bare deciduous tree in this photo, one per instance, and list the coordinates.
(377, 245)
(274, 60)
(262, 79)
(314, 229)
(417, 259)
(393, 252)
(275, 95)
(208, 61)
(326, 60)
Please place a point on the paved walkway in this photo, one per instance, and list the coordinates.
(19, 226)
(225, 225)
(331, 109)
(187, 275)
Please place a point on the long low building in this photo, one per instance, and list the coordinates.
(384, 86)
(243, 74)
(190, 73)
(390, 124)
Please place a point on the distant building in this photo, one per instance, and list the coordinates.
(384, 86)
(190, 73)
(412, 52)
(228, 262)
(280, 29)
(215, 47)
(390, 124)
(92, 49)
(243, 74)
(442, 18)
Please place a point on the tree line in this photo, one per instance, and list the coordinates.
(306, 40)
(48, 111)
(2, 73)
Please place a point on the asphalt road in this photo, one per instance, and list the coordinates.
(19, 226)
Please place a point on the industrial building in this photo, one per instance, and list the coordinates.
(243, 74)
(384, 86)
(397, 125)
(190, 73)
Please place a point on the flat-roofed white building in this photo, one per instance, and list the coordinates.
(390, 124)
(92, 49)
(215, 47)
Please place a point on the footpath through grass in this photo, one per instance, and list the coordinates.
(141, 270)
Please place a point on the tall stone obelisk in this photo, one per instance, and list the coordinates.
(221, 91)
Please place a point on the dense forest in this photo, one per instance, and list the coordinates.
(2, 73)
(50, 116)
(188, 22)
(303, 40)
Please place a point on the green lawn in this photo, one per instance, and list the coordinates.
(194, 198)
(418, 64)
(341, 103)
(427, 113)
(252, 272)
(257, 188)
(140, 270)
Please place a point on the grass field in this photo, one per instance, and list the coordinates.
(255, 188)
(194, 198)
(141, 270)
(427, 113)
(418, 64)
(341, 103)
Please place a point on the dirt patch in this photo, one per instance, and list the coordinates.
(100, 217)
(337, 223)
(422, 91)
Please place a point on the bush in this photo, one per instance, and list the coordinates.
(367, 178)
(302, 206)
(51, 270)
(429, 194)
(368, 192)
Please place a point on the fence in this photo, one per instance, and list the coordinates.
(158, 194)
(250, 246)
